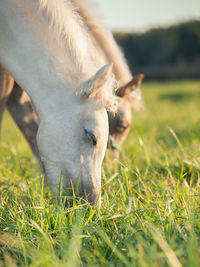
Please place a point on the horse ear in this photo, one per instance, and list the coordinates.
(130, 86)
(92, 86)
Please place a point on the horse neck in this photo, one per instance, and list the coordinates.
(38, 69)
(107, 44)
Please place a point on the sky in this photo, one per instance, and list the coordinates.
(140, 15)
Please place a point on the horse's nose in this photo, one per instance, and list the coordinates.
(92, 195)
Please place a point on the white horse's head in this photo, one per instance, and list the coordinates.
(72, 139)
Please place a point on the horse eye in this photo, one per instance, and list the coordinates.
(91, 137)
(122, 127)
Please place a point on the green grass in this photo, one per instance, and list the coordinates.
(150, 214)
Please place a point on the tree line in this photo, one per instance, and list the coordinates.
(174, 48)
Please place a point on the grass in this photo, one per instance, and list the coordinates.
(150, 214)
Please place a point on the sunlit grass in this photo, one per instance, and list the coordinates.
(150, 213)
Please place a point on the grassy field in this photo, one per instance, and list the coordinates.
(150, 214)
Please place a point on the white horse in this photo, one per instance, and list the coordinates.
(46, 48)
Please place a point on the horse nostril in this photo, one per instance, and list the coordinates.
(88, 193)
(92, 195)
(92, 198)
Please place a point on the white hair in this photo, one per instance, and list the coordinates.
(72, 34)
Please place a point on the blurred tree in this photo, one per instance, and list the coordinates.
(178, 45)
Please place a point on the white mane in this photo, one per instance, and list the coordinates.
(69, 30)
(71, 33)
(111, 51)
(105, 41)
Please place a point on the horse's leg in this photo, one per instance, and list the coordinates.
(20, 108)
(6, 86)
